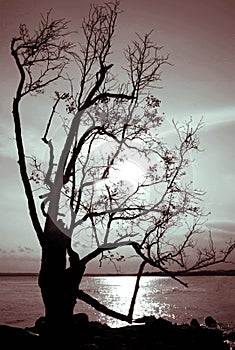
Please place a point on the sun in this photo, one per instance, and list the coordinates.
(129, 168)
(129, 171)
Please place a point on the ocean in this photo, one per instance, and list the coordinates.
(21, 304)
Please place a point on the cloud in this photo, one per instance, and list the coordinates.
(222, 226)
(223, 234)
(19, 258)
(18, 251)
(25, 249)
(220, 115)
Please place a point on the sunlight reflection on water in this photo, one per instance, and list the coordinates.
(117, 293)
(163, 297)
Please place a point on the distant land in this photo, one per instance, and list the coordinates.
(157, 274)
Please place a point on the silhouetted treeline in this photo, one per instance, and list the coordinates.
(157, 274)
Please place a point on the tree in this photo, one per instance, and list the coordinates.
(107, 121)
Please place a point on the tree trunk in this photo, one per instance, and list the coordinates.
(59, 285)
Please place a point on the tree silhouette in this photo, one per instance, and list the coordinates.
(110, 179)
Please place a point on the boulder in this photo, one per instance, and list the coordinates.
(210, 322)
(15, 336)
(194, 323)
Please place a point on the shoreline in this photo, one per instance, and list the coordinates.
(147, 333)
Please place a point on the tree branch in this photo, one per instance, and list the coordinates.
(23, 169)
(99, 307)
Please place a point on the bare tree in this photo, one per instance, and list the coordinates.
(107, 122)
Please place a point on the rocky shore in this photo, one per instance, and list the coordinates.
(147, 333)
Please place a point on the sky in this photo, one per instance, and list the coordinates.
(200, 39)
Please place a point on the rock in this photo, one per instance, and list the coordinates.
(194, 323)
(158, 334)
(145, 319)
(210, 322)
(80, 320)
(230, 336)
(154, 334)
(38, 326)
(15, 336)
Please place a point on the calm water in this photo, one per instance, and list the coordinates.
(21, 305)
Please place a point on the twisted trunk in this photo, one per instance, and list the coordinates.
(59, 284)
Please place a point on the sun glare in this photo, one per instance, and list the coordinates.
(128, 171)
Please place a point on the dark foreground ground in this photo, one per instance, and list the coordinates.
(149, 333)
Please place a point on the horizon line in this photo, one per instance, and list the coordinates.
(228, 272)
